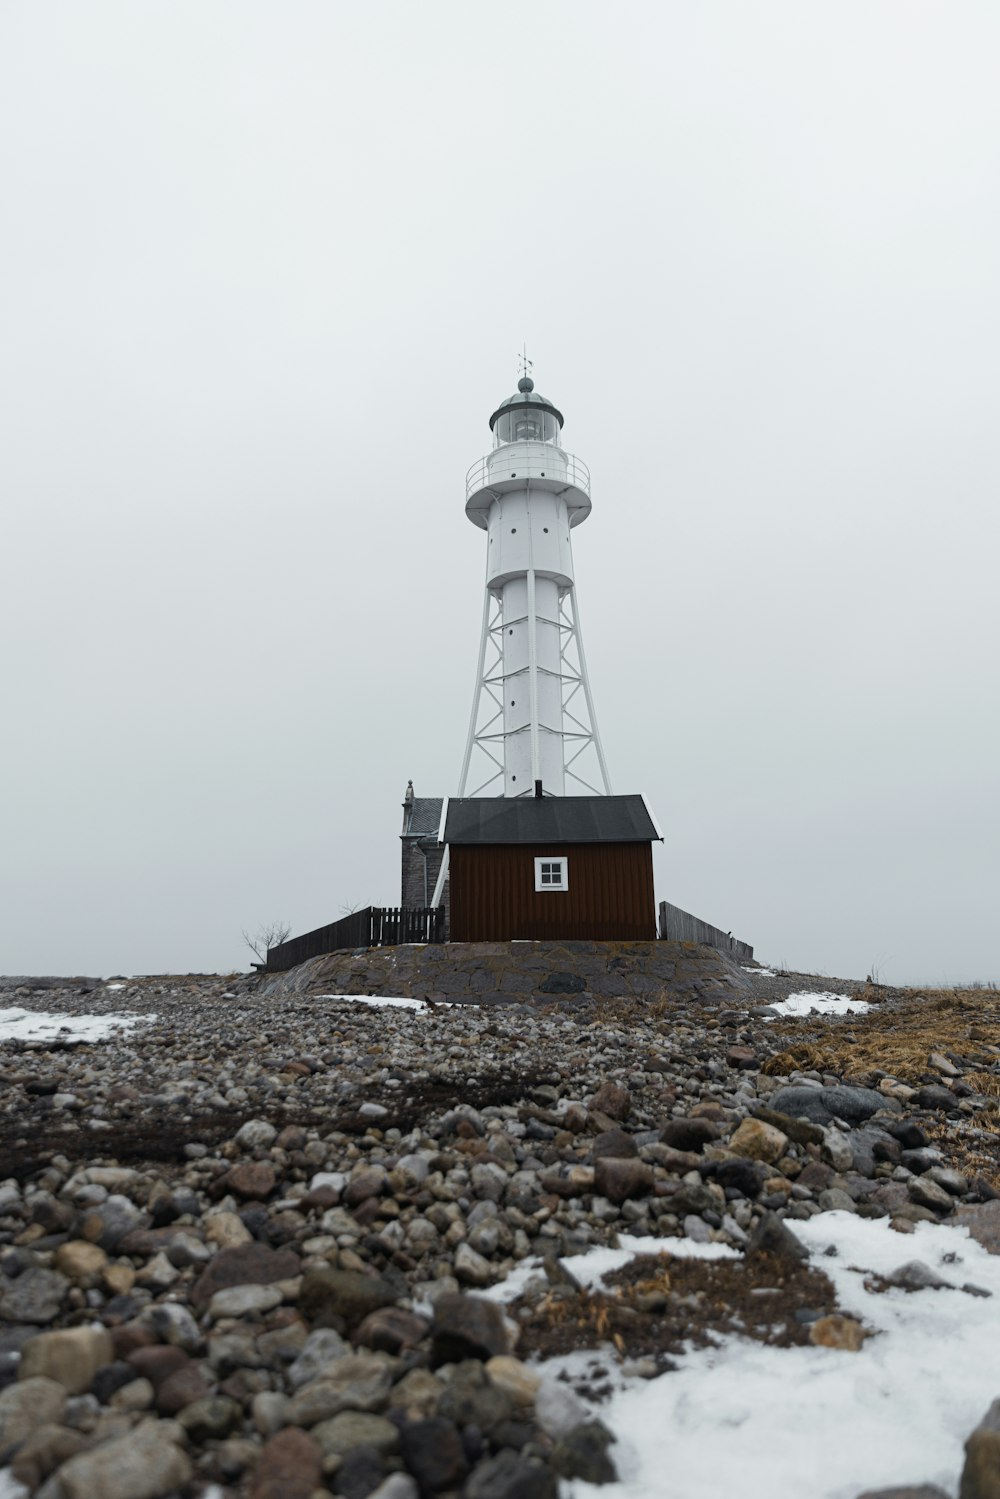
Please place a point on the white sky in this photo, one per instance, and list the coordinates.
(265, 272)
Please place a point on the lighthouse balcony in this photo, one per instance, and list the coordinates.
(527, 465)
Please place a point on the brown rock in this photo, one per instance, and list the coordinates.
(817, 1176)
(612, 1100)
(157, 1362)
(254, 1181)
(837, 1331)
(43, 1451)
(81, 1262)
(342, 1298)
(618, 1180)
(182, 1388)
(981, 1473)
(289, 1467)
(390, 1329)
(252, 1264)
(141, 1243)
(363, 1185)
(132, 1335)
(71, 1356)
(741, 1057)
(689, 1135)
(614, 1142)
(758, 1141)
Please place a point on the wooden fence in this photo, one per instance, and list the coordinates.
(680, 926)
(374, 926)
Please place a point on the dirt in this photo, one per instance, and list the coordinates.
(29, 1142)
(658, 1305)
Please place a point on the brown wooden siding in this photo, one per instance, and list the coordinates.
(610, 895)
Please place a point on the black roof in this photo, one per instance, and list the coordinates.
(549, 819)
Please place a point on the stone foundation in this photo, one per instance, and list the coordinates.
(522, 972)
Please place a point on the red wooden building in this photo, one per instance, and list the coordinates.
(550, 868)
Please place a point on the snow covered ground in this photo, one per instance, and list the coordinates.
(780, 1423)
(380, 1001)
(820, 1004)
(41, 1025)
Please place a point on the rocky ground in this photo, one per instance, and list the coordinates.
(243, 1247)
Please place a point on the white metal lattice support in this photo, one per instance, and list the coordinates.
(582, 751)
(533, 723)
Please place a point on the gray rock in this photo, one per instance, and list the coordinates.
(211, 1418)
(916, 1276)
(119, 1216)
(173, 1323)
(467, 1326)
(771, 1236)
(432, 1450)
(511, 1476)
(835, 1200)
(349, 1429)
(323, 1348)
(27, 1404)
(36, 1296)
(472, 1399)
(255, 1132)
(929, 1195)
(583, 1453)
(145, 1464)
(470, 1267)
(562, 983)
(821, 1105)
(982, 1219)
(934, 1096)
(396, 1486)
(558, 1408)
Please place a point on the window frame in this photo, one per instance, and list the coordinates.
(547, 887)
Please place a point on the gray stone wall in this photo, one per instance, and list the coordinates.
(524, 973)
(413, 890)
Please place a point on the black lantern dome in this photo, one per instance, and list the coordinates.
(526, 417)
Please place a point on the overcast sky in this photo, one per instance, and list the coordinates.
(265, 271)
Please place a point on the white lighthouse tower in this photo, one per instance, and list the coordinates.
(533, 731)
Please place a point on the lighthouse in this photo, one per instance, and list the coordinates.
(535, 845)
(533, 730)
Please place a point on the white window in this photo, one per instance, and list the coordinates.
(551, 873)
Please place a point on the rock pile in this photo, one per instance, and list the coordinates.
(247, 1244)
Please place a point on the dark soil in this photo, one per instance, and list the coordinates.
(658, 1305)
(28, 1143)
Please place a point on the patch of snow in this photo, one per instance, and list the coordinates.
(820, 1004)
(387, 1001)
(9, 1486)
(44, 1025)
(782, 1422)
(765, 973)
(379, 1001)
(115, 986)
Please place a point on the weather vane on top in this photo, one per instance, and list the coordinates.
(524, 363)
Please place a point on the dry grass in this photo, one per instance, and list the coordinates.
(897, 1040)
